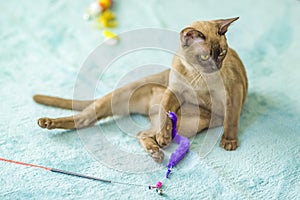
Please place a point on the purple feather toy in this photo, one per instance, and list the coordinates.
(182, 149)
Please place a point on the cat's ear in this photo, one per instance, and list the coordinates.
(224, 24)
(190, 35)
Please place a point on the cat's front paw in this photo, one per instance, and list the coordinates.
(157, 155)
(45, 123)
(229, 144)
(147, 140)
(163, 138)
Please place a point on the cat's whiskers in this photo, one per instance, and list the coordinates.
(193, 80)
(196, 80)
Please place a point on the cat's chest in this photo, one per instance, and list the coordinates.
(202, 96)
(211, 94)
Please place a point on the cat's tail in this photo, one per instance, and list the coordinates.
(62, 103)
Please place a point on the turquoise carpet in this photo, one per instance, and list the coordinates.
(43, 45)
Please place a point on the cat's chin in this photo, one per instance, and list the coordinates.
(205, 70)
(198, 68)
(209, 71)
(209, 68)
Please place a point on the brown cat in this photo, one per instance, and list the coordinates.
(206, 87)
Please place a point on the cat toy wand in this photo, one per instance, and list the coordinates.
(176, 156)
(158, 185)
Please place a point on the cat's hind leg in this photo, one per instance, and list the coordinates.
(122, 101)
(132, 98)
(85, 118)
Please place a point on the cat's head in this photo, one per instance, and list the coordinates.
(203, 44)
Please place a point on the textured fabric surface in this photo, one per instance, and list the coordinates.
(42, 47)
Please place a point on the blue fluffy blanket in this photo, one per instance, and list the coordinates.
(43, 44)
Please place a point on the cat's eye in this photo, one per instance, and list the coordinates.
(223, 52)
(204, 57)
(195, 34)
(201, 35)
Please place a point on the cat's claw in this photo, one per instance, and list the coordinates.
(147, 140)
(158, 156)
(163, 139)
(229, 145)
(45, 123)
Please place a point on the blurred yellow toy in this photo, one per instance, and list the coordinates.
(111, 38)
(105, 18)
(101, 10)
